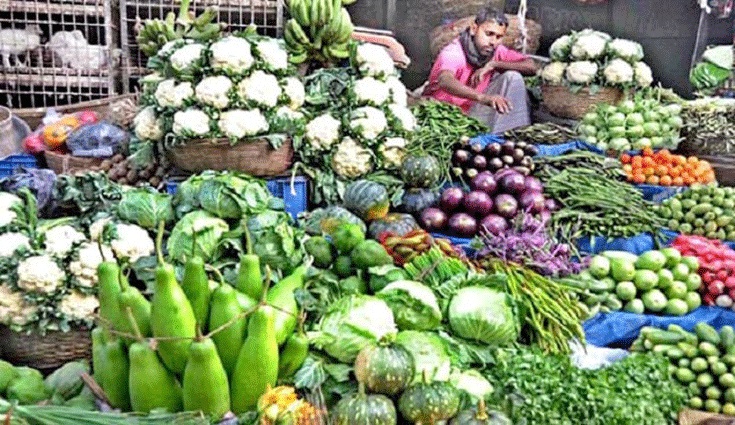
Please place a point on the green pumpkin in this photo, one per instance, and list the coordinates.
(368, 200)
(427, 402)
(323, 221)
(416, 200)
(420, 171)
(396, 223)
(384, 368)
(480, 416)
(363, 409)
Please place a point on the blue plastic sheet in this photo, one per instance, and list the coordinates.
(620, 329)
(486, 139)
(561, 149)
(659, 194)
(463, 243)
(636, 244)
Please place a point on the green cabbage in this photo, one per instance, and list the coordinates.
(473, 383)
(484, 315)
(352, 323)
(414, 305)
(275, 240)
(145, 208)
(232, 195)
(208, 229)
(429, 353)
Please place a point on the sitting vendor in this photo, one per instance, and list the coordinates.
(483, 77)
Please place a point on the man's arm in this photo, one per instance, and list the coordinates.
(449, 83)
(526, 66)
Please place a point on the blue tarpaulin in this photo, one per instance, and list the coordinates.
(659, 194)
(636, 244)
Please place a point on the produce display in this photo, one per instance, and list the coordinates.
(663, 168)
(707, 125)
(701, 360)
(541, 134)
(474, 158)
(404, 248)
(549, 166)
(716, 268)
(702, 210)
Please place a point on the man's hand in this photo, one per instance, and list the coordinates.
(499, 103)
(480, 73)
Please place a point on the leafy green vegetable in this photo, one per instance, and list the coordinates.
(484, 315)
(197, 233)
(430, 353)
(233, 195)
(275, 240)
(145, 208)
(413, 304)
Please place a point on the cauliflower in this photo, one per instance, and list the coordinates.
(147, 126)
(323, 131)
(84, 268)
(186, 56)
(7, 217)
(368, 122)
(618, 71)
(40, 273)
(11, 242)
(560, 48)
(273, 53)
(14, 309)
(78, 306)
(231, 54)
(643, 74)
(288, 113)
(374, 60)
(627, 50)
(214, 91)
(398, 92)
(60, 239)
(96, 228)
(368, 90)
(351, 160)
(172, 95)
(132, 242)
(393, 150)
(553, 73)
(589, 46)
(191, 122)
(583, 72)
(294, 91)
(171, 46)
(404, 116)
(239, 123)
(260, 87)
(8, 201)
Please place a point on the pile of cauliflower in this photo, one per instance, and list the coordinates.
(236, 87)
(370, 128)
(591, 57)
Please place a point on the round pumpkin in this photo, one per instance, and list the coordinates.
(396, 223)
(360, 408)
(367, 199)
(420, 171)
(480, 416)
(428, 402)
(416, 200)
(384, 368)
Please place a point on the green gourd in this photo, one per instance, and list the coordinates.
(228, 341)
(293, 354)
(115, 369)
(131, 299)
(281, 296)
(249, 279)
(364, 409)
(257, 364)
(384, 368)
(196, 288)
(205, 387)
(152, 386)
(98, 346)
(108, 274)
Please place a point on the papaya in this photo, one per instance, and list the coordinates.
(228, 341)
(196, 288)
(206, 387)
(151, 385)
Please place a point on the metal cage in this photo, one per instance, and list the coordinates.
(56, 52)
(266, 14)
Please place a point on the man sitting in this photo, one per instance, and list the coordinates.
(483, 77)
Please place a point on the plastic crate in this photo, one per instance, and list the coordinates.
(12, 162)
(296, 200)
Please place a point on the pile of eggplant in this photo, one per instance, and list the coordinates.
(471, 159)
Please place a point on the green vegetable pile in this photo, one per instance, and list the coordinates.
(703, 361)
(702, 210)
(549, 166)
(708, 126)
(64, 387)
(713, 71)
(546, 133)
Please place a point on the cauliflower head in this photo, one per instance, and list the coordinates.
(60, 239)
(231, 54)
(97, 228)
(171, 95)
(40, 274)
(11, 242)
(626, 49)
(240, 123)
(399, 96)
(191, 122)
(288, 113)
(84, 268)
(370, 91)
(294, 90)
(186, 56)
(368, 121)
(589, 46)
(147, 126)
(405, 117)
(582, 72)
(374, 60)
(351, 160)
(560, 48)
(323, 131)
(132, 242)
(553, 73)
(79, 306)
(393, 151)
(261, 88)
(7, 217)
(643, 74)
(14, 309)
(618, 71)
(214, 91)
(273, 53)
(8, 201)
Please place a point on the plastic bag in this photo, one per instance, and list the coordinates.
(592, 357)
(55, 129)
(101, 140)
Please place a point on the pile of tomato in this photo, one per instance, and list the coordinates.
(666, 169)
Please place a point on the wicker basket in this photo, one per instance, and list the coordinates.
(68, 164)
(45, 352)
(443, 35)
(117, 109)
(564, 103)
(257, 158)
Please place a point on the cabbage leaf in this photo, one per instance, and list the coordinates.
(197, 233)
(414, 305)
(145, 208)
(483, 314)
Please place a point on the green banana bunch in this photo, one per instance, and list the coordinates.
(318, 30)
(157, 32)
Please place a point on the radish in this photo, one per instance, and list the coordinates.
(724, 301)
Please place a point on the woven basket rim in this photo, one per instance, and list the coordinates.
(226, 141)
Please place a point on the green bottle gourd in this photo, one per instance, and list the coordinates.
(293, 354)
(257, 364)
(171, 315)
(116, 369)
(140, 308)
(108, 275)
(196, 287)
(98, 346)
(151, 385)
(281, 296)
(228, 341)
(206, 387)
(249, 279)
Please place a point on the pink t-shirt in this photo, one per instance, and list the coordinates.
(452, 59)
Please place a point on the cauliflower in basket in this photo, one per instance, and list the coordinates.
(643, 74)
(626, 49)
(84, 267)
(560, 48)
(398, 92)
(374, 60)
(288, 113)
(231, 54)
(583, 72)
(273, 53)
(589, 46)
(186, 56)
(618, 71)
(239, 123)
(60, 239)
(553, 73)
(11, 242)
(14, 309)
(404, 116)
(323, 131)
(131, 242)
(370, 91)
(192, 122)
(392, 151)
(147, 126)
(172, 95)
(41, 274)
(76, 305)
(351, 160)
(260, 87)
(294, 91)
(368, 122)
(214, 91)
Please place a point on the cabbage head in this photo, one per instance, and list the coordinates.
(473, 383)
(208, 230)
(430, 354)
(482, 314)
(275, 240)
(352, 323)
(233, 195)
(414, 305)
(145, 208)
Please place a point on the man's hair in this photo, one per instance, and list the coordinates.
(490, 14)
